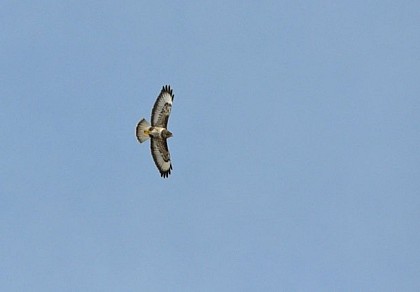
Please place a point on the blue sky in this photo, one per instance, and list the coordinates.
(295, 150)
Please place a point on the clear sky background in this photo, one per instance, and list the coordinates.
(296, 162)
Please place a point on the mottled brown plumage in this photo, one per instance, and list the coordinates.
(158, 132)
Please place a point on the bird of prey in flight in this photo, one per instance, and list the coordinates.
(158, 132)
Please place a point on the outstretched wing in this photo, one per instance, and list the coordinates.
(161, 156)
(162, 108)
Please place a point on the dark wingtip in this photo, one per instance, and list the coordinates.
(166, 174)
(167, 88)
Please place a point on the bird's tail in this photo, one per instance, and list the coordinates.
(142, 130)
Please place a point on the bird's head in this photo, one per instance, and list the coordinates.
(166, 134)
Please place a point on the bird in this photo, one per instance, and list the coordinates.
(158, 132)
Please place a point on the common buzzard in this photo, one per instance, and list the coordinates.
(158, 132)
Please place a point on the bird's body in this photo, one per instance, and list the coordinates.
(158, 132)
